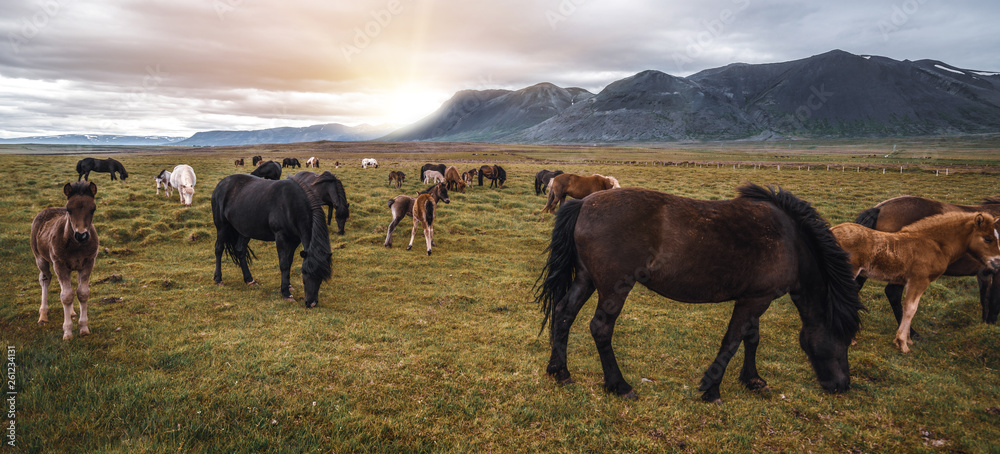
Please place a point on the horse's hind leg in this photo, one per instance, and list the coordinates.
(894, 293)
(44, 278)
(413, 233)
(429, 237)
(392, 227)
(563, 315)
(602, 328)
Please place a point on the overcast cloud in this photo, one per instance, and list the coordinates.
(142, 67)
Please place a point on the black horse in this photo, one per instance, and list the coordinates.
(496, 174)
(439, 167)
(751, 249)
(269, 170)
(87, 165)
(287, 212)
(331, 190)
(542, 179)
(290, 162)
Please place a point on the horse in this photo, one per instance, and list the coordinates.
(87, 165)
(919, 253)
(163, 178)
(336, 164)
(542, 179)
(400, 206)
(290, 162)
(751, 249)
(256, 160)
(891, 215)
(433, 176)
(65, 239)
(469, 176)
(312, 162)
(183, 179)
(331, 191)
(239, 162)
(424, 211)
(284, 211)
(496, 174)
(454, 180)
(369, 162)
(269, 170)
(576, 186)
(396, 178)
(438, 167)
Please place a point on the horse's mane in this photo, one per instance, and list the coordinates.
(338, 188)
(842, 303)
(937, 220)
(994, 200)
(316, 261)
(614, 182)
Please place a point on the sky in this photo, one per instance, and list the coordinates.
(176, 67)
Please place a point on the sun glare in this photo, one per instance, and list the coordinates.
(408, 106)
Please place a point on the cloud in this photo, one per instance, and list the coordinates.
(131, 66)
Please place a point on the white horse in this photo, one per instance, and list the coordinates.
(433, 176)
(184, 180)
(369, 162)
(312, 162)
(164, 179)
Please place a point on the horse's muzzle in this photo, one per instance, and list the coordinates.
(837, 385)
(993, 264)
(81, 237)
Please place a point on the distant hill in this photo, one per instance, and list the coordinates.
(835, 94)
(332, 132)
(95, 139)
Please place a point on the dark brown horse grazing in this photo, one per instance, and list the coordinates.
(751, 249)
(396, 179)
(891, 215)
(496, 174)
(87, 165)
(542, 179)
(65, 239)
(576, 186)
(425, 210)
(919, 253)
(454, 180)
(331, 191)
(268, 170)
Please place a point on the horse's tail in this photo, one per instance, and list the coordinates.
(869, 217)
(429, 212)
(842, 303)
(232, 239)
(560, 269)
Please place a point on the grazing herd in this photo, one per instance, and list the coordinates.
(752, 249)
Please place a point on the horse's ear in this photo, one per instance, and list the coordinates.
(67, 189)
(93, 188)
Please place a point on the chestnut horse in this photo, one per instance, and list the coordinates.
(454, 180)
(918, 254)
(469, 176)
(576, 186)
(542, 179)
(751, 249)
(396, 178)
(425, 210)
(891, 215)
(65, 239)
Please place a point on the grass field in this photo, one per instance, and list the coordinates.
(410, 353)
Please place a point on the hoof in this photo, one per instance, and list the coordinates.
(219, 283)
(67, 336)
(252, 283)
(631, 395)
(757, 384)
(428, 252)
(409, 247)
(84, 332)
(312, 304)
(289, 299)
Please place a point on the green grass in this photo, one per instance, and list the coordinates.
(409, 353)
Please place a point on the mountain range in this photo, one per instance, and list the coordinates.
(831, 95)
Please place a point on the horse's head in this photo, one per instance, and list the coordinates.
(441, 192)
(81, 205)
(612, 183)
(828, 355)
(985, 241)
(122, 173)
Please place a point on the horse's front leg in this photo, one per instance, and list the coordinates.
(751, 337)
(44, 278)
(914, 290)
(741, 325)
(988, 295)
(83, 294)
(66, 298)
(602, 328)
(563, 315)
(286, 254)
